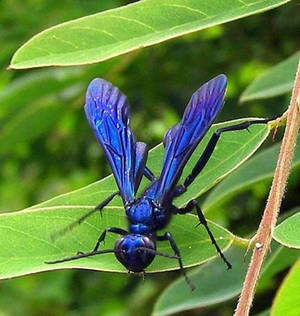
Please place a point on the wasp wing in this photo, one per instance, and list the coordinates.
(181, 140)
(106, 110)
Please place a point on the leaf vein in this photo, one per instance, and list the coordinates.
(65, 41)
(187, 8)
(244, 3)
(29, 235)
(134, 21)
(88, 28)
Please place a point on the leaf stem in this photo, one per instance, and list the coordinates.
(264, 233)
(240, 242)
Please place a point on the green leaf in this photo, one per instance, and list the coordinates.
(288, 297)
(281, 259)
(232, 150)
(209, 290)
(258, 168)
(288, 232)
(30, 124)
(213, 285)
(111, 33)
(36, 85)
(34, 103)
(276, 81)
(27, 233)
(28, 244)
(46, 83)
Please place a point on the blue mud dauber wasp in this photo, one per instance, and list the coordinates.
(106, 109)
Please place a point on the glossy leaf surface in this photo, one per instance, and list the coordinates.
(258, 168)
(28, 232)
(215, 285)
(40, 84)
(111, 33)
(288, 297)
(28, 241)
(277, 80)
(288, 232)
(232, 150)
(30, 124)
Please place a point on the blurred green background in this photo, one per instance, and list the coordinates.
(46, 147)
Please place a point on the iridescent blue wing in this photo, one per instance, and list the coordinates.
(141, 154)
(181, 140)
(106, 110)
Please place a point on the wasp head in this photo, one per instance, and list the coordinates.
(135, 251)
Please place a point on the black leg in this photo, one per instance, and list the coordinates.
(169, 238)
(81, 219)
(95, 251)
(201, 163)
(81, 255)
(99, 207)
(149, 174)
(114, 230)
(188, 208)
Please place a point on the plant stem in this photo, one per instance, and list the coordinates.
(264, 233)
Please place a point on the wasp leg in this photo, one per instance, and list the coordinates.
(99, 208)
(201, 163)
(114, 230)
(188, 208)
(81, 255)
(149, 174)
(168, 237)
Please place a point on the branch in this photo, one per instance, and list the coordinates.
(264, 233)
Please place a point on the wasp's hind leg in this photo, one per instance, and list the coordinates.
(202, 220)
(209, 149)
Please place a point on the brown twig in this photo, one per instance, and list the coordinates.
(264, 233)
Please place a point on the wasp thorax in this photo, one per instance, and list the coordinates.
(141, 212)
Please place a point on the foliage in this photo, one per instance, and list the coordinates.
(34, 226)
(259, 168)
(209, 291)
(287, 299)
(283, 74)
(287, 233)
(101, 36)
